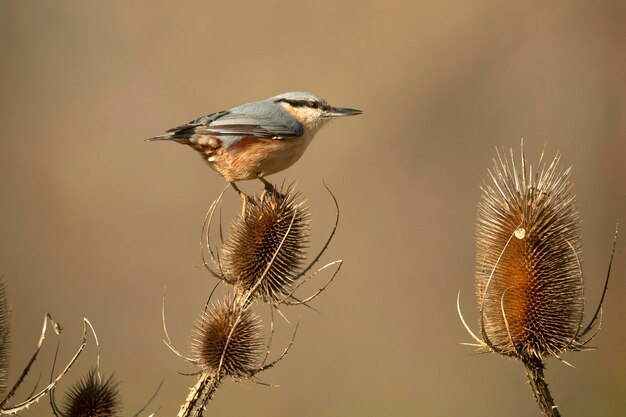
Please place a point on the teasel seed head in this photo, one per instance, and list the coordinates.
(528, 267)
(227, 340)
(93, 397)
(265, 250)
(4, 337)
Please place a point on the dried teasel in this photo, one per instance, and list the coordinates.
(274, 232)
(228, 340)
(263, 257)
(529, 279)
(264, 251)
(93, 396)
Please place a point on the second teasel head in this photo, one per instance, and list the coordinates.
(228, 339)
(528, 260)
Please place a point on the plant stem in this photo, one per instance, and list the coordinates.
(534, 372)
(200, 395)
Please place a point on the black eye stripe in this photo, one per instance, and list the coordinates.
(305, 103)
(300, 103)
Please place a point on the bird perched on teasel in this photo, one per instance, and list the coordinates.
(257, 139)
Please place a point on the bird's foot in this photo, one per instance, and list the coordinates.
(244, 197)
(268, 188)
(244, 206)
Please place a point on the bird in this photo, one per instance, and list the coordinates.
(257, 139)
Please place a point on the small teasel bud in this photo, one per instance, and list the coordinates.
(227, 340)
(528, 272)
(4, 337)
(264, 251)
(93, 397)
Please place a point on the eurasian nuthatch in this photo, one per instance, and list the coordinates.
(257, 139)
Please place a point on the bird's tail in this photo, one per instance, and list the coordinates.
(169, 137)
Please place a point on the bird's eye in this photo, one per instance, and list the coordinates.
(313, 104)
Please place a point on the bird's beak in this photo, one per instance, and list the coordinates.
(341, 111)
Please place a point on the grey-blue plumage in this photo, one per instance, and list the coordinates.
(263, 119)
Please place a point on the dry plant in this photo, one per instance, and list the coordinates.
(5, 407)
(274, 232)
(228, 339)
(262, 257)
(529, 277)
(92, 396)
(264, 252)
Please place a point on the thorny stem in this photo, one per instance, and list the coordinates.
(200, 395)
(534, 372)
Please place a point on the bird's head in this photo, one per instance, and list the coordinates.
(310, 110)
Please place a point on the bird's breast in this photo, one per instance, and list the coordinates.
(252, 157)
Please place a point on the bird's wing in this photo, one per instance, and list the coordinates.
(260, 119)
(199, 122)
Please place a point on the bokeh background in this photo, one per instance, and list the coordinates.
(96, 222)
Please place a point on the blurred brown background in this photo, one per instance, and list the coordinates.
(95, 221)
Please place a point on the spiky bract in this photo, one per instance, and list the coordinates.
(529, 277)
(227, 340)
(264, 252)
(93, 397)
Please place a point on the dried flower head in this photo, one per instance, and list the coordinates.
(4, 337)
(227, 340)
(529, 277)
(264, 252)
(93, 397)
(528, 271)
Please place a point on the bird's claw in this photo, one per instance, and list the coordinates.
(245, 198)
(268, 188)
